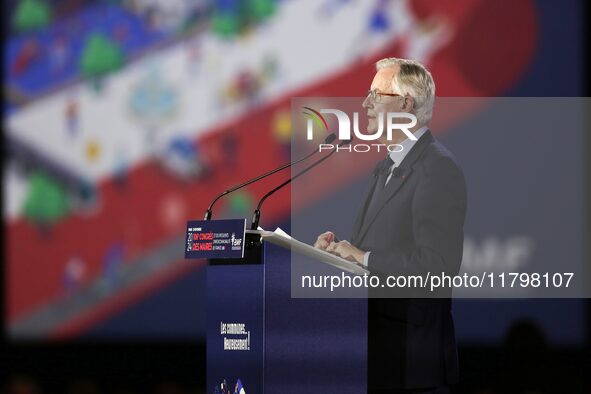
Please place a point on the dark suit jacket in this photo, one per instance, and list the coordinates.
(416, 226)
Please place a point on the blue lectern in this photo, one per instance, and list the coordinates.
(260, 340)
(236, 321)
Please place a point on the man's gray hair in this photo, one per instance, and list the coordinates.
(413, 80)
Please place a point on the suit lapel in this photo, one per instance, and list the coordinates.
(395, 183)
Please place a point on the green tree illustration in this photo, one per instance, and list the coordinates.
(226, 25)
(261, 9)
(31, 15)
(46, 200)
(101, 55)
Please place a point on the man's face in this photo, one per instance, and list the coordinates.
(382, 83)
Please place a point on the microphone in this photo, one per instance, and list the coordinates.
(257, 213)
(330, 138)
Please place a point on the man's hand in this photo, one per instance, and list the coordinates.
(324, 240)
(347, 251)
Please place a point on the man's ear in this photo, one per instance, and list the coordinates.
(409, 104)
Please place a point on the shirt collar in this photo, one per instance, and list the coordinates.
(407, 145)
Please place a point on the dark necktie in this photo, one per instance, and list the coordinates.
(381, 171)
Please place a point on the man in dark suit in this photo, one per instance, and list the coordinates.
(411, 223)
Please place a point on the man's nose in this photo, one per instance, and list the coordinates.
(367, 102)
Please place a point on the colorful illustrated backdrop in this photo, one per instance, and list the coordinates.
(125, 118)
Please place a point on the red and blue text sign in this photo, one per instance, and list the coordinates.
(215, 239)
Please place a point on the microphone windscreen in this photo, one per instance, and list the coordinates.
(330, 138)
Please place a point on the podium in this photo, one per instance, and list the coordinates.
(260, 340)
